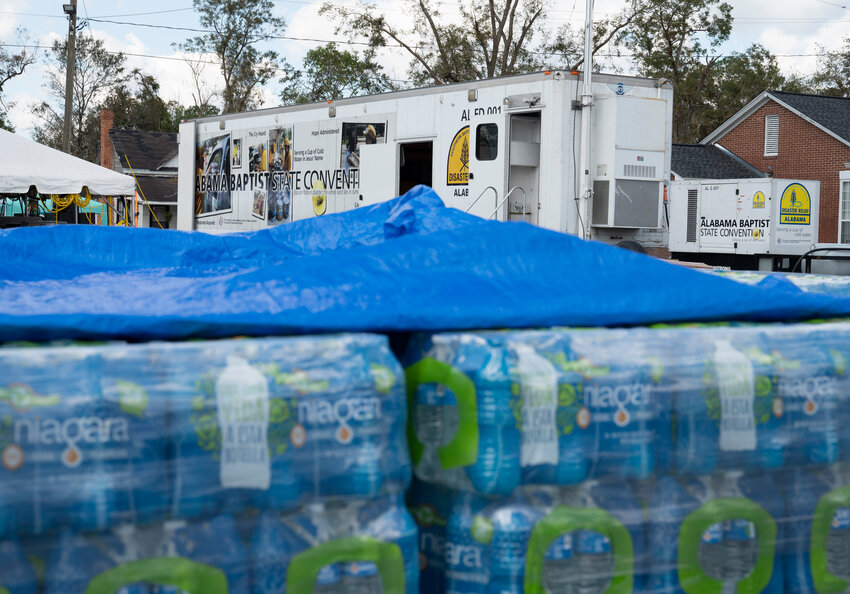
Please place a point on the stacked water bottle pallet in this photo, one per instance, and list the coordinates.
(235, 466)
(676, 459)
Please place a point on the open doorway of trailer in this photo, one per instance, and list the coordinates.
(415, 165)
(524, 173)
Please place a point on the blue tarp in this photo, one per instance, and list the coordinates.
(407, 264)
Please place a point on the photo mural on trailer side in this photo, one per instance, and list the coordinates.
(256, 178)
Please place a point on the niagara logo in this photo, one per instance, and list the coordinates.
(814, 389)
(466, 556)
(69, 432)
(341, 412)
(618, 397)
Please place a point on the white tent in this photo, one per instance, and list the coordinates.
(27, 163)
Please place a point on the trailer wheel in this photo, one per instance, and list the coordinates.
(632, 246)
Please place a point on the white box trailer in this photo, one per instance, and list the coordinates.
(505, 148)
(741, 222)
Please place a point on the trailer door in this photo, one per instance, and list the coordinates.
(718, 217)
(488, 142)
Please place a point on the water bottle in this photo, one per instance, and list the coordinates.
(73, 563)
(808, 492)
(51, 427)
(618, 389)
(497, 469)
(556, 442)
(430, 506)
(387, 520)
(511, 530)
(807, 386)
(695, 398)
(191, 371)
(467, 538)
(131, 380)
(214, 543)
(435, 416)
(16, 573)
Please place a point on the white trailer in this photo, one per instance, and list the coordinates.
(744, 223)
(506, 149)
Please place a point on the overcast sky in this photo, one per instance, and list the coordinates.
(792, 29)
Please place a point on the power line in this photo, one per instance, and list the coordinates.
(844, 6)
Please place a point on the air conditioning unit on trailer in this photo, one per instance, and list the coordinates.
(629, 143)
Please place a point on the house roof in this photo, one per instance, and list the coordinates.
(158, 189)
(830, 114)
(709, 161)
(144, 149)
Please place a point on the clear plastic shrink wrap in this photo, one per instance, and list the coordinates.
(703, 458)
(253, 466)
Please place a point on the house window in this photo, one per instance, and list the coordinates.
(771, 135)
(844, 218)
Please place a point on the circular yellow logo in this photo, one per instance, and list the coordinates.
(795, 206)
(758, 200)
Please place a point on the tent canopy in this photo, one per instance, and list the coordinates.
(27, 163)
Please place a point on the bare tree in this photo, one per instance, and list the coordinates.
(13, 62)
(490, 37)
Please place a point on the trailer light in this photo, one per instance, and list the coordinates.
(574, 72)
(221, 125)
(547, 72)
(472, 95)
(332, 111)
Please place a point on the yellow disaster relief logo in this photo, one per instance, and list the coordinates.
(758, 200)
(458, 161)
(795, 207)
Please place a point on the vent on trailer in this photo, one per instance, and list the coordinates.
(629, 150)
(693, 215)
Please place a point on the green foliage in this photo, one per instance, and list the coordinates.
(330, 73)
(679, 40)
(237, 27)
(832, 76)
(98, 73)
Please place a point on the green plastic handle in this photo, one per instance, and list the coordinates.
(691, 578)
(564, 519)
(462, 450)
(824, 512)
(305, 566)
(193, 578)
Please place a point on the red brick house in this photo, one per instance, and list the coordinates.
(796, 136)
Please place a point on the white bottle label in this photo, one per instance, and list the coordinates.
(539, 390)
(736, 383)
(242, 395)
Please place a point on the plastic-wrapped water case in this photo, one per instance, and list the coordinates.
(581, 538)
(715, 533)
(93, 437)
(352, 546)
(358, 547)
(828, 284)
(493, 410)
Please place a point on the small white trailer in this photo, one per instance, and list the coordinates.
(505, 148)
(754, 223)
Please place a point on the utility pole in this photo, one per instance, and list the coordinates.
(70, 63)
(586, 195)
